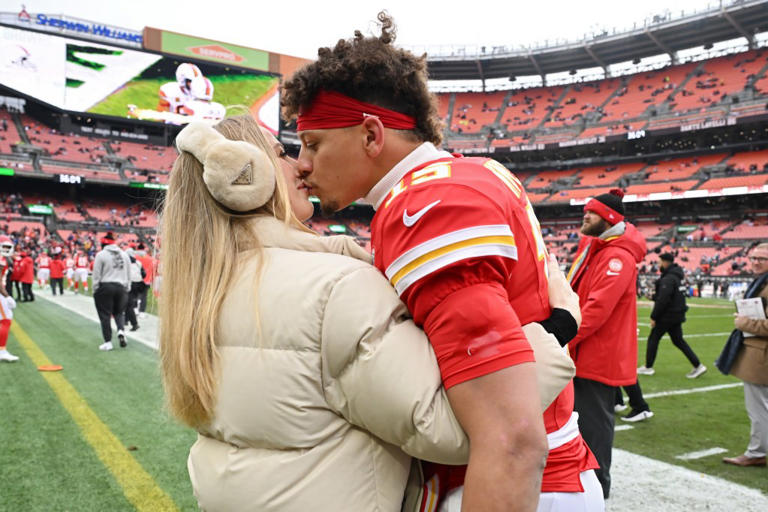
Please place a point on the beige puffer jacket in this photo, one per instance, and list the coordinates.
(323, 410)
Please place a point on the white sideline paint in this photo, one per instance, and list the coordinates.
(701, 453)
(83, 305)
(619, 428)
(726, 334)
(641, 484)
(705, 389)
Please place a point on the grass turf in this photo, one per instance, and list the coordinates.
(697, 421)
(228, 90)
(47, 464)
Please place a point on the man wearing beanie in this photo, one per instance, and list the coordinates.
(111, 283)
(668, 316)
(604, 275)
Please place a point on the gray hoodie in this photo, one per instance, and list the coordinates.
(111, 265)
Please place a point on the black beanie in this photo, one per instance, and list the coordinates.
(608, 206)
(613, 200)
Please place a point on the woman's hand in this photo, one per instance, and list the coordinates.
(561, 295)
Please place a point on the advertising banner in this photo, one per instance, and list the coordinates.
(205, 49)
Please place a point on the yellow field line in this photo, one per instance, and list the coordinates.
(138, 486)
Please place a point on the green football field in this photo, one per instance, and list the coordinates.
(95, 436)
(228, 90)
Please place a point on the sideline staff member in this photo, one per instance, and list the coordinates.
(111, 282)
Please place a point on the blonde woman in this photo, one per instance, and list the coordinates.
(288, 352)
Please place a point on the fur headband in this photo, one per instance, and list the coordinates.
(238, 174)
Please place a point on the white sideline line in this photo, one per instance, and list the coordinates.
(619, 428)
(694, 390)
(701, 453)
(706, 335)
(142, 338)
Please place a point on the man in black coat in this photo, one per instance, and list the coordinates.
(668, 316)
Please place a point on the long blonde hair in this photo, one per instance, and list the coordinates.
(200, 243)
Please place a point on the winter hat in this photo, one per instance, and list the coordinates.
(108, 239)
(608, 206)
(667, 256)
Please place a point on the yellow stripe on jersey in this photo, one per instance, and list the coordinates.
(509, 179)
(435, 255)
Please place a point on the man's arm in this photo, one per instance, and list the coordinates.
(500, 413)
(96, 277)
(497, 401)
(663, 296)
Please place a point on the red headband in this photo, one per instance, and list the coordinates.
(607, 213)
(330, 109)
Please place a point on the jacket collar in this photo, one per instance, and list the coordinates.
(421, 155)
(272, 232)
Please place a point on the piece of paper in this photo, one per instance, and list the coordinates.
(750, 308)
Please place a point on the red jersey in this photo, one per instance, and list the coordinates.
(456, 230)
(82, 262)
(459, 241)
(43, 261)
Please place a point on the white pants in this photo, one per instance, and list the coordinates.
(70, 273)
(43, 274)
(756, 400)
(81, 275)
(591, 500)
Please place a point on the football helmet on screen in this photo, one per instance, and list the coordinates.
(185, 73)
(201, 88)
(6, 246)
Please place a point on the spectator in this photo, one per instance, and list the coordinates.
(751, 366)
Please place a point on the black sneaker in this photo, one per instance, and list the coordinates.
(135, 327)
(635, 415)
(121, 339)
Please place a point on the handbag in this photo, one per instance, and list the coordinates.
(727, 357)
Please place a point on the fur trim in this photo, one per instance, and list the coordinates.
(238, 174)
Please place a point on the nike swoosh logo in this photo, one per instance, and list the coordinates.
(609, 273)
(410, 220)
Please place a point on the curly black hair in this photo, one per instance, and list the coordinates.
(372, 70)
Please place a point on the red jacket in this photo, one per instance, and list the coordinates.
(27, 274)
(605, 348)
(149, 268)
(57, 268)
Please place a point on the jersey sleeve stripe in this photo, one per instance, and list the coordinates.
(445, 240)
(489, 246)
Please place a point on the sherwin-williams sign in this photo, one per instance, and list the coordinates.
(222, 53)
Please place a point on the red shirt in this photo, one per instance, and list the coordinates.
(458, 239)
(57, 268)
(43, 261)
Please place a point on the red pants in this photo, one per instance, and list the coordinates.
(5, 327)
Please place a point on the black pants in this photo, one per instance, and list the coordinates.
(26, 289)
(130, 307)
(594, 402)
(17, 285)
(635, 395)
(676, 334)
(110, 301)
(143, 297)
(57, 282)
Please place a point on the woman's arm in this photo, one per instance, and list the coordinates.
(380, 372)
